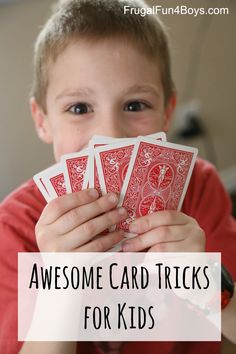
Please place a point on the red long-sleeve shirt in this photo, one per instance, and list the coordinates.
(206, 201)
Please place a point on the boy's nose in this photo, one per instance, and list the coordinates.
(112, 128)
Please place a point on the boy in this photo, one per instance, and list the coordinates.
(98, 71)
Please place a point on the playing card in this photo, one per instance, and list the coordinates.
(111, 165)
(157, 178)
(157, 136)
(74, 169)
(38, 179)
(53, 180)
(92, 173)
(91, 178)
(112, 162)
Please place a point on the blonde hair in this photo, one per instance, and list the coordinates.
(97, 20)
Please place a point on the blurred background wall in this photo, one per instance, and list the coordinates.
(204, 59)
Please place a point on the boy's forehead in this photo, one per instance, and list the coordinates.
(83, 64)
(95, 52)
(114, 47)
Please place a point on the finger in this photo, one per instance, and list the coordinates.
(87, 231)
(156, 236)
(159, 218)
(179, 246)
(81, 214)
(103, 243)
(61, 205)
(169, 247)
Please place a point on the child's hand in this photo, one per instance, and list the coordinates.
(71, 223)
(166, 231)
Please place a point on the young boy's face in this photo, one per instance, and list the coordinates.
(105, 87)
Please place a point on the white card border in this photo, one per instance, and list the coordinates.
(37, 180)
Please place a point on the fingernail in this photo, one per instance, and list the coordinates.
(121, 211)
(113, 198)
(93, 193)
(126, 247)
(133, 228)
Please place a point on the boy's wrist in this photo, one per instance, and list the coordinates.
(227, 287)
(226, 291)
(227, 284)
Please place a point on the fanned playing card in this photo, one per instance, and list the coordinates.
(92, 173)
(157, 136)
(38, 179)
(53, 180)
(157, 178)
(112, 162)
(74, 168)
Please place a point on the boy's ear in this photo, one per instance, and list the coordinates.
(41, 121)
(169, 110)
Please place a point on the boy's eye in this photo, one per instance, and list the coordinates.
(135, 106)
(80, 108)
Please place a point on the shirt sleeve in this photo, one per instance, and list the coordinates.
(18, 216)
(9, 245)
(19, 213)
(208, 202)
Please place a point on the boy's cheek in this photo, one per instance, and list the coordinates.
(146, 125)
(68, 144)
(68, 138)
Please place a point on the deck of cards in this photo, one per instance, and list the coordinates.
(149, 173)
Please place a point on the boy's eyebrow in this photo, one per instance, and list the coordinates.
(85, 91)
(146, 88)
